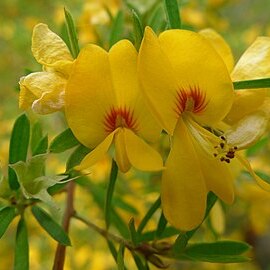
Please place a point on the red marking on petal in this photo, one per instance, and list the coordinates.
(119, 117)
(192, 100)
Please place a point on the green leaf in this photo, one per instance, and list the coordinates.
(110, 190)
(33, 183)
(265, 177)
(249, 84)
(120, 257)
(77, 156)
(157, 19)
(151, 235)
(162, 223)
(133, 233)
(138, 262)
(117, 28)
(21, 261)
(172, 11)
(7, 214)
(41, 147)
(137, 29)
(63, 142)
(50, 226)
(257, 147)
(36, 134)
(221, 251)
(112, 249)
(155, 206)
(72, 34)
(18, 147)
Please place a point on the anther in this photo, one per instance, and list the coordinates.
(222, 138)
(227, 160)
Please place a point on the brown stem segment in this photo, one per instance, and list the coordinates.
(60, 253)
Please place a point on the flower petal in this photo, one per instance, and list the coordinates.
(254, 63)
(183, 190)
(220, 45)
(123, 62)
(197, 65)
(248, 130)
(158, 81)
(97, 154)
(47, 47)
(140, 154)
(47, 87)
(121, 157)
(89, 95)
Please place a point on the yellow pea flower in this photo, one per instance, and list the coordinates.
(44, 91)
(188, 87)
(104, 107)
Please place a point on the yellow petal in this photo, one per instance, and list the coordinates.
(197, 65)
(247, 166)
(158, 81)
(47, 47)
(97, 154)
(245, 102)
(123, 62)
(220, 46)
(248, 130)
(45, 88)
(217, 175)
(121, 157)
(90, 95)
(254, 63)
(183, 190)
(140, 154)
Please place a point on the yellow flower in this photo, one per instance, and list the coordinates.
(249, 115)
(44, 91)
(188, 87)
(104, 106)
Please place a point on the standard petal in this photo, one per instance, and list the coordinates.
(90, 96)
(183, 190)
(220, 46)
(199, 67)
(140, 154)
(35, 85)
(47, 47)
(254, 63)
(97, 154)
(123, 62)
(158, 81)
(121, 157)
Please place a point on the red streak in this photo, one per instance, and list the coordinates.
(120, 117)
(192, 96)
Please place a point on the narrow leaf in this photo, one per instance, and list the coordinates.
(157, 19)
(265, 177)
(137, 29)
(50, 226)
(110, 190)
(21, 261)
(77, 156)
(120, 257)
(7, 214)
(257, 147)
(18, 147)
(149, 214)
(36, 134)
(138, 262)
(72, 34)
(161, 225)
(221, 251)
(117, 28)
(63, 142)
(172, 12)
(41, 147)
(249, 84)
(133, 233)
(112, 249)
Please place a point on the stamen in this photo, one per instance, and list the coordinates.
(119, 117)
(191, 99)
(223, 151)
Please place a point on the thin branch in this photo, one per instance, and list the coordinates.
(60, 253)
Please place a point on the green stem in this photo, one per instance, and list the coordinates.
(109, 195)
